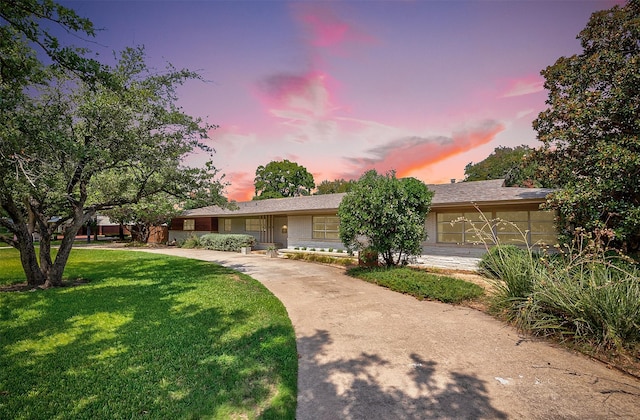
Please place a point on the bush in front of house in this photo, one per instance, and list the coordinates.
(226, 242)
(583, 293)
(516, 267)
(192, 241)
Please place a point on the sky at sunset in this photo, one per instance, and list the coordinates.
(340, 87)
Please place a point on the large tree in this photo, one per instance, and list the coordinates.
(76, 139)
(513, 164)
(282, 179)
(591, 128)
(335, 186)
(385, 214)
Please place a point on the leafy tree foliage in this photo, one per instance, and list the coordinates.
(335, 186)
(76, 139)
(590, 130)
(282, 179)
(514, 165)
(159, 209)
(385, 214)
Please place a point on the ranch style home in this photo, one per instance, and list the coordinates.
(452, 224)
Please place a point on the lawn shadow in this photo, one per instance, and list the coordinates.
(353, 389)
(159, 343)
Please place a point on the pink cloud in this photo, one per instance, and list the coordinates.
(523, 86)
(325, 28)
(413, 153)
(290, 95)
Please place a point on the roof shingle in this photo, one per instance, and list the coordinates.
(461, 193)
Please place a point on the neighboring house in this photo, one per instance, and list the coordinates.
(312, 221)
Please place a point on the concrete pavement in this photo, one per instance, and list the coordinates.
(368, 353)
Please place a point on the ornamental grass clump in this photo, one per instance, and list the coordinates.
(585, 292)
(590, 293)
(515, 268)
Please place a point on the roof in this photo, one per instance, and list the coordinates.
(455, 194)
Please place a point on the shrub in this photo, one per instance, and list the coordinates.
(191, 242)
(585, 292)
(368, 257)
(226, 242)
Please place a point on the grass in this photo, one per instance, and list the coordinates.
(585, 299)
(148, 336)
(419, 283)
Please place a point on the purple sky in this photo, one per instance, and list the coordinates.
(340, 87)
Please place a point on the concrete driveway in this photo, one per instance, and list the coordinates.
(368, 353)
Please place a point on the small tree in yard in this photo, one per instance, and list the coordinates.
(385, 214)
(77, 138)
(591, 129)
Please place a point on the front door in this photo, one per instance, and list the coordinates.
(280, 230)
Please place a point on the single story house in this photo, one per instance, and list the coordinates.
(456, 216)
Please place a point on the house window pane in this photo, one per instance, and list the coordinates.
(448, 217)
(450, 229)
(227, 225)
(543, 215)
(454, 238)
(253, 225)
(326, 227)
(189, 224)
(543, 228)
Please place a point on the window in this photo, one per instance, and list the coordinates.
(449, 230)
(254, 225)
(512, 227)
(458, 228)
(189, 224)
(543, 228)
(326, 227)
(515, 227)
(226, 225)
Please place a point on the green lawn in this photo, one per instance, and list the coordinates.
(419, 283)
(148, 337)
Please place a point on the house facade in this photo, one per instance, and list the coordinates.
(461, 216)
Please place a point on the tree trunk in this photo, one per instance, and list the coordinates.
(35, 277)
(54, 278)
(121, 232)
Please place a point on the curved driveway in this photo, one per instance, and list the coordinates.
(368, 353)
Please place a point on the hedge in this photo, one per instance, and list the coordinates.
(226, 242)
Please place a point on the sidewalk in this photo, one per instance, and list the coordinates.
(368, 353)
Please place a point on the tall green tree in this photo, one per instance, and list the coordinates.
(513, 164)
(335, 186)
(282, 179)
(73, 147)
(591, 129)
(385, 214)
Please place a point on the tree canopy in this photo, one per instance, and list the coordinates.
(76, 139)
(335, 186)
(385, 214)
(591, 127)
(282, 179)
(513, 164)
